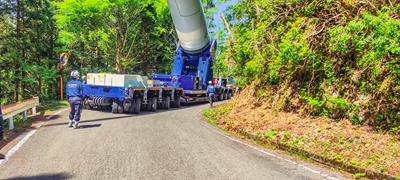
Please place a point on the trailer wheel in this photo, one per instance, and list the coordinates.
(117, 107)
(132, 107)
(154, 104)
(177, 102)
(137, 105)
(220, 97)
(226, 96)
(167, 102)
(114, 107)
(148, 105)
(87, 106)
(120, 108)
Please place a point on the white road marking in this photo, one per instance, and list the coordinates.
(268, 153)
(16, 147)
(25, 139)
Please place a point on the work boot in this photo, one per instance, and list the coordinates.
(2, 156)
(76, 124)
(70, 123)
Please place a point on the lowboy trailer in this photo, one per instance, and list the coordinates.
(133, 97)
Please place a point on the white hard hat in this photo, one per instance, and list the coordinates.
(75, 74)
(209, 82)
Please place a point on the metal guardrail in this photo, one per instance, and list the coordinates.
(10, 110)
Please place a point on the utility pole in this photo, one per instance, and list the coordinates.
(61, 83)
(63, 62)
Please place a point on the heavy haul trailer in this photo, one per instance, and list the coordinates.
(224, 90)
(128, 93)
(193, 60)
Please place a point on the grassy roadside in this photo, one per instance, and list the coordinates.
(359, 150)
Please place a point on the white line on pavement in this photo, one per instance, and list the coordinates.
(26, 137)
(16, 147)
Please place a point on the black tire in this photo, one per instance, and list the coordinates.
(229, 95)
(137, 105)
(114, 107)
(120, 108)
(167, 102)
(87, 106)
(132, 107)
(177, 102)
(220, 97)
(117, 108)
(163, 104)
(148, 105)
(153, 104)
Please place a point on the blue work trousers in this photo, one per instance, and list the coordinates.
(75, 103)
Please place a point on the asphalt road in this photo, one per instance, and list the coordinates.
(173, 144)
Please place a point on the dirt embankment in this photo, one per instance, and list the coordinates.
(340, 141)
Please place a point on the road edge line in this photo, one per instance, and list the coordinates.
(260, 150)
(317, 158)
(26, 137)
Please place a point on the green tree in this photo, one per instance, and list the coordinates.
(131, 35)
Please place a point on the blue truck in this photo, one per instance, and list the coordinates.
(193, 61)
(191, 71)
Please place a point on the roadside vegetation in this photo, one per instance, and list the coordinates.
(336, 59)
(319, 76)
(336, 143)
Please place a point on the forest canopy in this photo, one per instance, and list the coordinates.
(120, 36)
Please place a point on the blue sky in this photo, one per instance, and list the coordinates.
(222, 7)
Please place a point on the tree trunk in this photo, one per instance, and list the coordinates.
(17, 64)
(119, 53)
(118, 62)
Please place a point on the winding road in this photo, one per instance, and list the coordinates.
(175, 144)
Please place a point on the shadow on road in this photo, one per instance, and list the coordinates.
(88, 121)
(58, 176)
(124, 116)
(87, 126)
(51, 117)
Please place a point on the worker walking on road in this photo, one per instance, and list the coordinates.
(210, 92)
(74, 95)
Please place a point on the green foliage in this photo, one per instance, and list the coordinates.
(395, 130)
(130, 36)
(341, 59)
(271, 134)
(359, 175)
(214, 114)
(126, 36)
(27, 50)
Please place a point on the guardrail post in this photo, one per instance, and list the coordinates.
(24, 116)
(34, 111)
(11, 123)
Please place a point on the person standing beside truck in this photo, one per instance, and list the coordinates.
(210, 92)
(74, 96)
